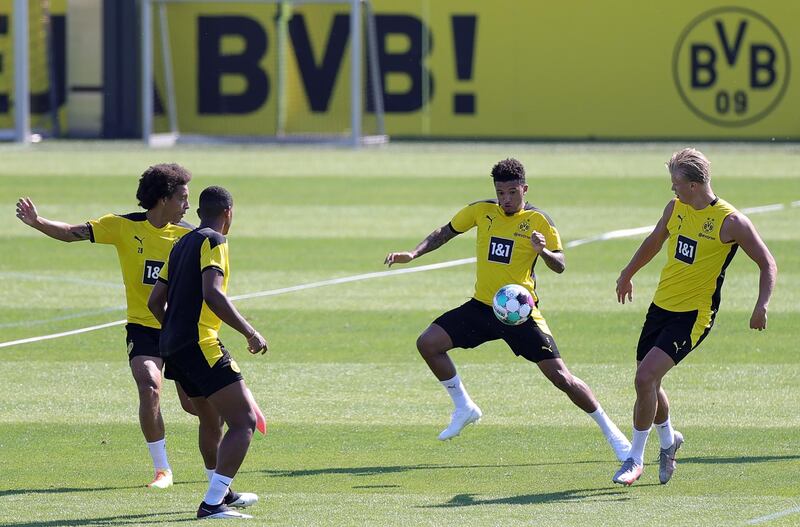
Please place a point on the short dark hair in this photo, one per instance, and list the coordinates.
(508, 170)
(691, 164)
(160, 181)
(214, 201)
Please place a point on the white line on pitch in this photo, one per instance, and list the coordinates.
(81, 314)
(355, 278)
(764, 208)
(623, 233)
(64, 334)
(775, 516)
(59, 279)
(312, 285)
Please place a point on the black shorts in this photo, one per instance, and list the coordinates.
(142, 341)
(474, 323)
(190, 368)
(675, 333)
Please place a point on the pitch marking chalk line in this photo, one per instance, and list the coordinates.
(623, 233)
(64, 334)
(80, 314)
(61, 279)
(774, 516)
(312, 285)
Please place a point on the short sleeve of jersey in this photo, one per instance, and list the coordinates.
(163, 275)
(464, 219)
(215, 257)
(106, 229)
(551, 237)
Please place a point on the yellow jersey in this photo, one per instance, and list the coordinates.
(188, 320)
(696, 258)
(503, 249)
(142, 250)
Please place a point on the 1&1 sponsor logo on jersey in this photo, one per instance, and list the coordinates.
(731, 66)
(685, 249)
(152, 268)
(500, 250)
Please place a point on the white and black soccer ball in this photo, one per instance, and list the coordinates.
(512, 304)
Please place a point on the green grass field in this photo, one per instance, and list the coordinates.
(352, 409)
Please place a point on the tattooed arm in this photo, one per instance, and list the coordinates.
(433, 241)
(26, 212)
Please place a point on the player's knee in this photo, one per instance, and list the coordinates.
(242, 420)
(149, 392)
(147, 379)
(425, 345)
(430, 344)
(247, 424)
(645, 380)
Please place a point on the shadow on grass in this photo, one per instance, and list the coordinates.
(61, 490)
(393, 469)
(564, 496)
(67, 490)
(719, 460)
(122, 519)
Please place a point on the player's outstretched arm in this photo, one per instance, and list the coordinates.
(433, 241)
(646, 252)
(738, 228)
(221, 305)
(26, 212)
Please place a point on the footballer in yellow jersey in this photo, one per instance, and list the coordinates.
(512, 237)
(190, 301)
(505, 254)
(143, 241)
(702, 233)
(142, 249)
(691, 281)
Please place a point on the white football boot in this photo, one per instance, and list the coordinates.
(459, 419)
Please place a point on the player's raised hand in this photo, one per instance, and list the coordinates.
(624, 288)
(398, 258)
(538, 241)
(257, 344)
(26, 211)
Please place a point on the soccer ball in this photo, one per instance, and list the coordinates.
(512, 304)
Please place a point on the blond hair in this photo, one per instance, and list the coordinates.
(691, 164)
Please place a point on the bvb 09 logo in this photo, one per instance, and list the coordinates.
(731, 66)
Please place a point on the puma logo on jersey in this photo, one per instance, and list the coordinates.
(491, 219)
(140, 240)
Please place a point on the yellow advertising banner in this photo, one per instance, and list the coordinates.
(608, 70)
(40, 14)
(580, 70)
(503, 69)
